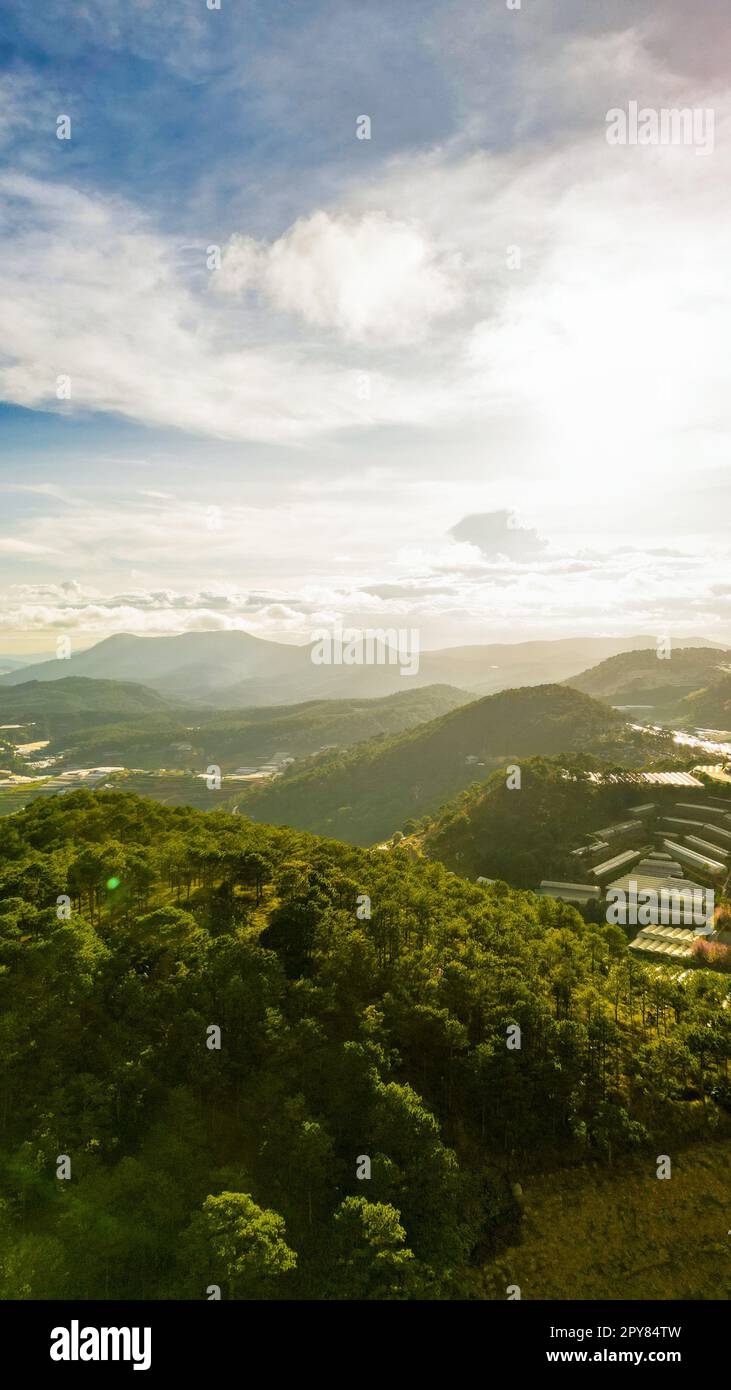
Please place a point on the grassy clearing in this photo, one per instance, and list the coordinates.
(593, 1233)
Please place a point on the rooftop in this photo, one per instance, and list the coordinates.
(619, 861)
(701, 861)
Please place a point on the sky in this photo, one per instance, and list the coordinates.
(468, 375)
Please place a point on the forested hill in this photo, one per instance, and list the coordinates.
(365, 795)
(527, 835)
(179, 738)
(641, 677)
(76, 702)
(710, 707)
(356, 1133)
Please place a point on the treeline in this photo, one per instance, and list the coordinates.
(242, 1057)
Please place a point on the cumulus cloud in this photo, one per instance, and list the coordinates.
(89, 292)
(498, 533)
(371, 278)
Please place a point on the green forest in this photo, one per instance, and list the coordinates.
(242, 1058)
(366, 793)
(90, 722)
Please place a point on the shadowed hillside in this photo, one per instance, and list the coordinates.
(367, 794)
(526, 834)
(229, 738)
(76, 702)
(709, 708)
(643, 678)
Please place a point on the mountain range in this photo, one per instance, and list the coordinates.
(238, 669)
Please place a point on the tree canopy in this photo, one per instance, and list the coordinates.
(243, 1056)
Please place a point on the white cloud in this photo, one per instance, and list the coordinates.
(587, 388)
(450, 591)
(11, 545)
(89, 291)
(373, 278)
(605, 347)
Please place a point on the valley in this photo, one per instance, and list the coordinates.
(364, 902)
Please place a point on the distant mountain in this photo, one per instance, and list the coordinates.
(16, 663)
(499, 666)
(709, 708)
(181, 664)
(75, 702)
(184, 739)
(237, 669)
(367, 794)
(643, 678)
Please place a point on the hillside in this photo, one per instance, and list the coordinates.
(528, 834)
(709, 708)
(263, 1079)
(367, 794)
(73, 702)
(642, 678)
(503, 665)
(589, 1234)
(16, 663)
(232, 738)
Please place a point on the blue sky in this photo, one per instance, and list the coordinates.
(483, 311)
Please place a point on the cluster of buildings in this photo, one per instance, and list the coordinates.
(259, 772)
(659, 870)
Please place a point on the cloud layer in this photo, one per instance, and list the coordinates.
(471, 373)
(454, 589)
(554, 283)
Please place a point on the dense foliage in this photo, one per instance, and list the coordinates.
(364, 795)
(75, 703)
(364, 1004)
(229, 738)
(494, 831)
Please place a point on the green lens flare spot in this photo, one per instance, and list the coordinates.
(112, 883)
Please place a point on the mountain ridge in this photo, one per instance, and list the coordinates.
(641, 677)
(237, 667)
(375, 789)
